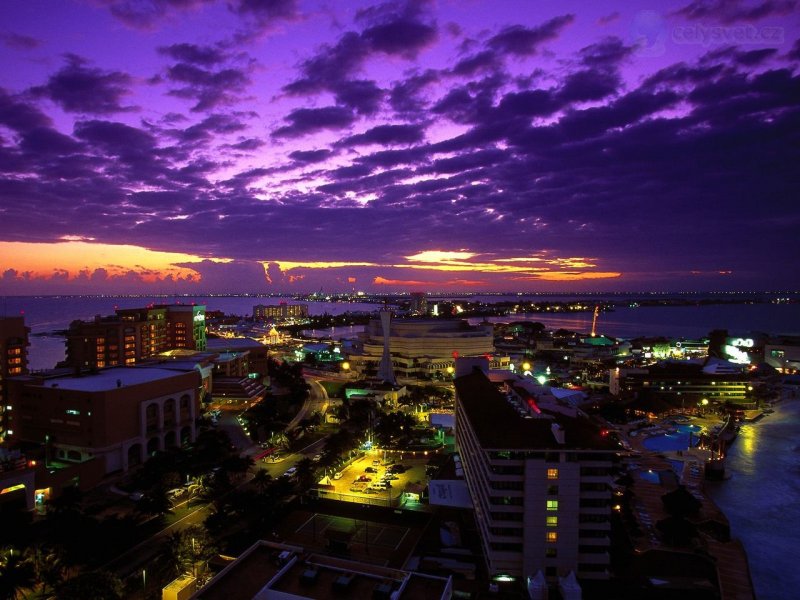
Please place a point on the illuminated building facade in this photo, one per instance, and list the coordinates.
(680, 384)
(119, 416)
(783, 353)
(540, 481)
(263, 312)
(135, 334)
(422, 348)
(419, 304)
(13, 360)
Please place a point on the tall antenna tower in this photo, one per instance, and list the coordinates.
(594, 319)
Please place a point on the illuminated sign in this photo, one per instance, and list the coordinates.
(735, 355)
(199, 317)
(742, 342)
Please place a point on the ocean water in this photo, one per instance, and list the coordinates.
(762, 499)
(675, 321)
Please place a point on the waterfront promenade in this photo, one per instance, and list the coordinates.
(658, 467)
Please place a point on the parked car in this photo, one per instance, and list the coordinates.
(370, 470)
(398, 469)
(364, 478)
(290, 472)
(337, 475)
(317, 458)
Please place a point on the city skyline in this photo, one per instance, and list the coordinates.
(193, 146)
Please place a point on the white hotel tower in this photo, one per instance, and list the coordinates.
(540, 480)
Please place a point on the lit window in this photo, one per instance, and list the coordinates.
(552, 536)
(552, 473)
(552, 505)
(552, 521)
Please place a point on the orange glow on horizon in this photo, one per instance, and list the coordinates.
(70, 259)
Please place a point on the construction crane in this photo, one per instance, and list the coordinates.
(594, 319)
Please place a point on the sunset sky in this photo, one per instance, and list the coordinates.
(192, 146)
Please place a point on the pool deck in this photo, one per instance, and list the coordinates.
(730, 557)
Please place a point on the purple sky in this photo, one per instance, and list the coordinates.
(288, 145)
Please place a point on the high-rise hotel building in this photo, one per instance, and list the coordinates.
(13, 361)
(134, 334)
(264, 312)
(540, 481)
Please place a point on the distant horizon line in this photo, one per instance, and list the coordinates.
(398, 294)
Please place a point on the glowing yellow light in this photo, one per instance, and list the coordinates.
(345, 366)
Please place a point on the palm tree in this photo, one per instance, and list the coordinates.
(16, 574)
(48, 567)
(92, 585)
(262, 481)
(305, 473)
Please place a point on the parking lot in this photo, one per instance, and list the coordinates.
(360, 481)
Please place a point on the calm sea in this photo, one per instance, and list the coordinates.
(761, 499)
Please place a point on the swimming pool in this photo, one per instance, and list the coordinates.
(650, 475)
(667, 477)
(678, 439)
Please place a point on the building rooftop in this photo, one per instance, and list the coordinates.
(499, 425)
(109, 379)
(289, 572)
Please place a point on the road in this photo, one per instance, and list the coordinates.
(143, 553)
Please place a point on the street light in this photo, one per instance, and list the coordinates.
(144, 583)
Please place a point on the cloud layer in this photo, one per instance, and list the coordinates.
(403, 145)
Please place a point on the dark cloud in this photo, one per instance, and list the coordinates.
(391, 158)
(794, 54)
(308, 120)
(524, 41)
(387, 135)
(735, 11)
(362, 96)
(266, 10)
(587, 85)
(136, 151)
(210, 88)
(607, 53)
(18, 41)
(755, 57)
(205, 56)
(19, 115)
(330, 66)
(81, 89)
(248, 144)
(44, 140)
(145, 14)
(211, 126)
(405, 94)
(481, 62)
(333, 67)
(629, 109)
(310, 156)
(402, 37)
(529, 103)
